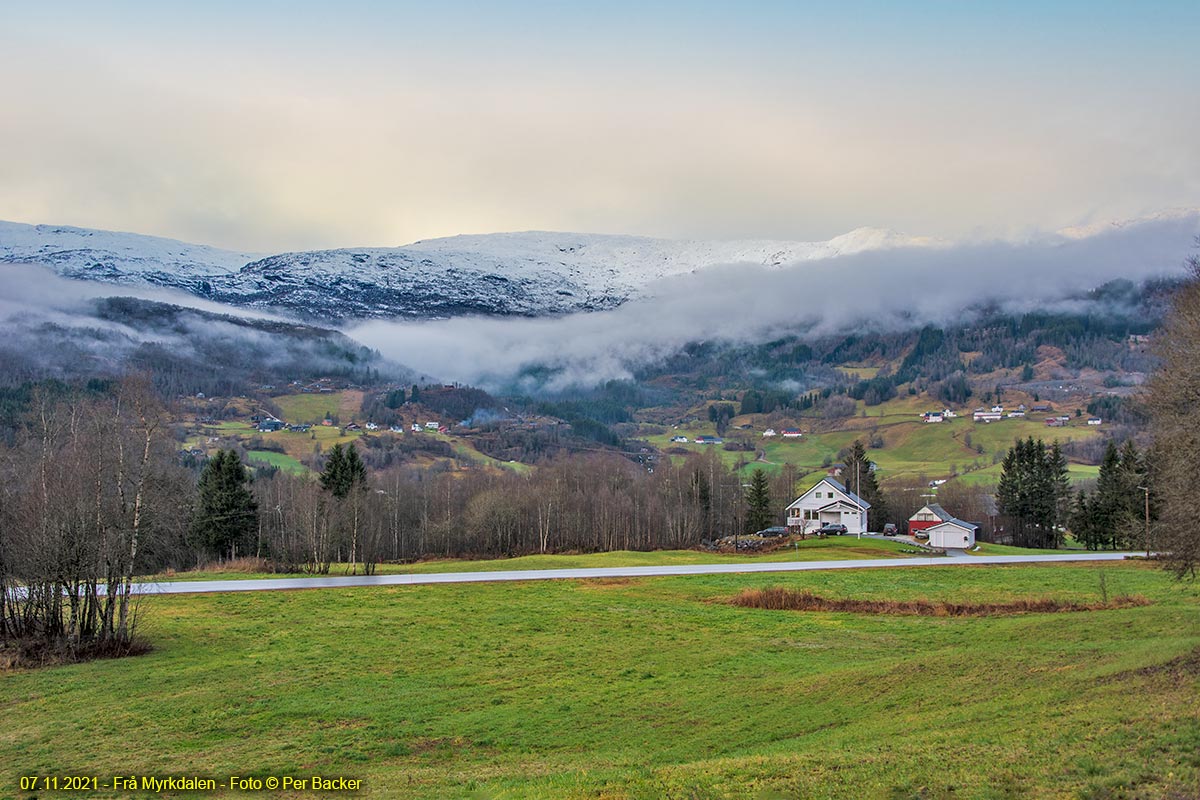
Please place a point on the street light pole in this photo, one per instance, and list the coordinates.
(1146, 489)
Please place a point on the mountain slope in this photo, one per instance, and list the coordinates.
(523, 274)
(506, 274)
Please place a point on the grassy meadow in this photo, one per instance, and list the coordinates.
(911, 447)
(645, 689)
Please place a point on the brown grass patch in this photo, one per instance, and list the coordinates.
(36, 653)
(779, 599)
(245, 564)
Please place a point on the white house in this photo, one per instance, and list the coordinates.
(827, 503)
(769, 432)
(953, 534)
(934, 416)
(431, 425)
(948, 414)
(983, 415)
(1094, 420)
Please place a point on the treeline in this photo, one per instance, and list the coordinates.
(583, 503)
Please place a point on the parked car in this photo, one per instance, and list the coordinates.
(922, 535)
(832, 529)
(778, 530)
(890, 529)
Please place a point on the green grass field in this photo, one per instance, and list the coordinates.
(281, 460)
(644, 689)
(911, 448)
(310, 408)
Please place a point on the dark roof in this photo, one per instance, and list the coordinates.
(861, 503)
(958, 522)
(938, 512)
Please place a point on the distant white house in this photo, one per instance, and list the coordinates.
(433, 426)
(679, 439)
(948, 414)
(416, 428)
(1094, 421)
(828, 502)
(769, 432)
(983, 415)
(952, 534)
(997, 409)
(934, 416)
(371, 426)
(792, 433)
(1016, 413)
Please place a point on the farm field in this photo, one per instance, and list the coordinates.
(283, 461)
(645, 688)
(911, 447)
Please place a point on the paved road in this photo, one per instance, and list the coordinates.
(331, 582)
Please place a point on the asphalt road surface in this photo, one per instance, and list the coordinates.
(333, 582)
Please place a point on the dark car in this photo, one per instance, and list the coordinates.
(832, 529)
(890, 529)
(775, 531)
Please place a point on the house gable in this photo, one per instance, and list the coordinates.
(826, 492)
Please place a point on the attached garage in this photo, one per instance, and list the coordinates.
(952, 534)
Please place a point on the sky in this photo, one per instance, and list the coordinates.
(272, 126)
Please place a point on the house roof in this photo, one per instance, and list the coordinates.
(955, 521)
(937, 511)
(863, 504)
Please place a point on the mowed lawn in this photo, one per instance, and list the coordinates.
(644, 689)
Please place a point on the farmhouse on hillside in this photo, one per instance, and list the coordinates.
(826, 503)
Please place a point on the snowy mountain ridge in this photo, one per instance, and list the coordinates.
(532, 273)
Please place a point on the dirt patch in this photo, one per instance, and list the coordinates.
(1184, 666)
(780, 599)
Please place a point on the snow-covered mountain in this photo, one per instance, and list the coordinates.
(505, 274)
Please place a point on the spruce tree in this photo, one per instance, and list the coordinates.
(859, 477)
(1034, 492)
(758, 502)
(226, 513)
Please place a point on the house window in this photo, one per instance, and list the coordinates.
(817, 495)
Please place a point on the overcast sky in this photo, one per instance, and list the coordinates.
(274, 126)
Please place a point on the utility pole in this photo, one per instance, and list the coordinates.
(858, 494)
(1146, 489)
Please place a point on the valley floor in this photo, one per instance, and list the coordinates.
(645, 688)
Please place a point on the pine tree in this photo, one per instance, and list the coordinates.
(758, 502)
(345, 477)
(344, 471)
(859, 477)
(226, 514)
(1034, 493)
